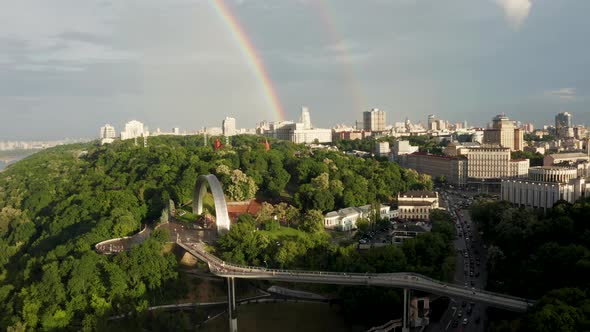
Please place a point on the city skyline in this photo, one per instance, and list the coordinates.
(90, 66)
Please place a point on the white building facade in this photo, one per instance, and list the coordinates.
(416, 205)
(229, 126)
(133, 129)
(545, 186)
(345, 219)
(107, 131)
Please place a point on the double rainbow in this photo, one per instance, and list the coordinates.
(252, 55)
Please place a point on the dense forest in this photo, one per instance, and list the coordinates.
(539, 256)
(58, 203)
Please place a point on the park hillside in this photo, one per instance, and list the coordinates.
(57, 204)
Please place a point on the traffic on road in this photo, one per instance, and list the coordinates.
(470, 268)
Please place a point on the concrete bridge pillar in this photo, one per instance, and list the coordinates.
(405, 327)
(231, 301)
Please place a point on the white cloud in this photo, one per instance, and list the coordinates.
(562, 94)
(516, 11)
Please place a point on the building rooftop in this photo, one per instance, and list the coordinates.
(348, 211)
(556, 168)
(435, 155)
(414, 203)
(568, 155)
(419, 193)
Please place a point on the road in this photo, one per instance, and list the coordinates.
(467, 241)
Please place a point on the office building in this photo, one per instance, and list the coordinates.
(176, 131)
(452, 169)
(229, 126)
(493, 162)
(504, 133)
(374, 120)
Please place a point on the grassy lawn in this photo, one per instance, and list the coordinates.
(187, 217)
(283, 232)
(208, 205)
(284, 317)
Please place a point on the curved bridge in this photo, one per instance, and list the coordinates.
(221, 215)
(398, 280)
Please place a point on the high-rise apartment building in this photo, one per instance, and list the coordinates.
(432, 125)
(305, 118)
(229, 126)
(107, 131)
(133, 129)
(374, 120)
(563, 119)
(528, 127)
(504, 133)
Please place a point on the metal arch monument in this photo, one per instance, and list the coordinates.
(221, 215)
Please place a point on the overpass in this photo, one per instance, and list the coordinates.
(403, 280)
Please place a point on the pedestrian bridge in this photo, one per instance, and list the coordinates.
(398, 280)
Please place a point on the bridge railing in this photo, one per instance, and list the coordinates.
(220, 265)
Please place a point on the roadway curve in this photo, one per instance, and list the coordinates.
(398, 280)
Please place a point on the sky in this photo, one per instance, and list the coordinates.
(68, 67)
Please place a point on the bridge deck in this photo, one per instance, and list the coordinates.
(400, 280)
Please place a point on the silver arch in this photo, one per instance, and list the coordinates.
(221, 215)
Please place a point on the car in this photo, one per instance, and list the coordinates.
(471, 274)
(465, 321)
(460, 314)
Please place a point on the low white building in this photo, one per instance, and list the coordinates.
(345, 219)
(416, 205)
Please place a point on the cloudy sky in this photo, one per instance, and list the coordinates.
(69, 66)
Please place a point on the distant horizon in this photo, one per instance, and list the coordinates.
(81, 66)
